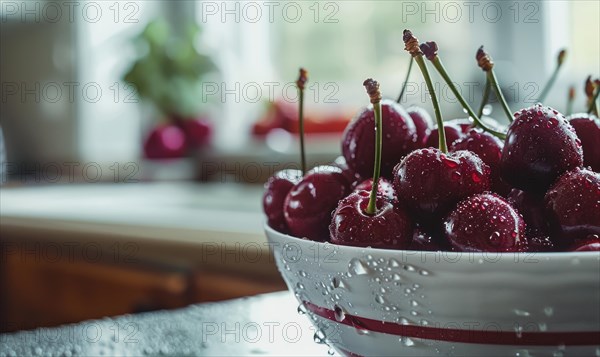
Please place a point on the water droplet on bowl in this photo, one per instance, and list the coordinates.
(339, 312)
(379, 299)
(357, 267)
(521, 312)
(409, 267)
(393, 263)
(319, 336)
(406, 341)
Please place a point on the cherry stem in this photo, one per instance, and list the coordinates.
(593, 106)
(437, 63)
(570, 100)
(372, 88)
(552, 79)
(485, 97)
(302, 79)
(410, 64)
(411, 45)
(436, 106)
(491, 76)
(484, 61)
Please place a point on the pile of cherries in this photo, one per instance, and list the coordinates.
(405, 183)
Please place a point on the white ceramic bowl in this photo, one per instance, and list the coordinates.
(391, 303)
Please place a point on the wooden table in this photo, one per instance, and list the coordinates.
(66, 249)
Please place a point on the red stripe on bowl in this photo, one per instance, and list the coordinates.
(465, 336)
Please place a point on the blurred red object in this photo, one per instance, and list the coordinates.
(175, 139)
(166, 141)
(198, 131)
(284, 115)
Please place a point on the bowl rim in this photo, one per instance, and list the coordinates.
(356, 250)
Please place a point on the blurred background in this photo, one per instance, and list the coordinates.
(137, 134)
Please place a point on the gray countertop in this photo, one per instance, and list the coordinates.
(262, 325)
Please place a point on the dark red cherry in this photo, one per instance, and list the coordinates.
(384, 189)
(587, 128)
(573, 203)
(431, 182)
(465, 124)
(485, 223)
(166, 142)
(423, 125)
(309, 203)
(537, 242)
(350, 175)
(358, 141)
(588, 245)
(489, 150)
(453, 133)
(532, 207)
(424, 241)
(540, 146)
(276, 190)
(390, 227)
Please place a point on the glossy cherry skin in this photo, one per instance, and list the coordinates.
(465, 124)
(587, 128)
(532, 208)
(430, 182)
(537, 242)
(539, 147)
(358, 141)
(573, 204)
(384, 189)
(423, 125)
(352, 177)
(424, 241)
(588, 245)
(453, 133)
(390, 227)
(489, 150)
(166, 142)
(276, 190)
(308, 205)
(485, 223)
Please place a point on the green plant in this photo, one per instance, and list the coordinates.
(169, 71)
